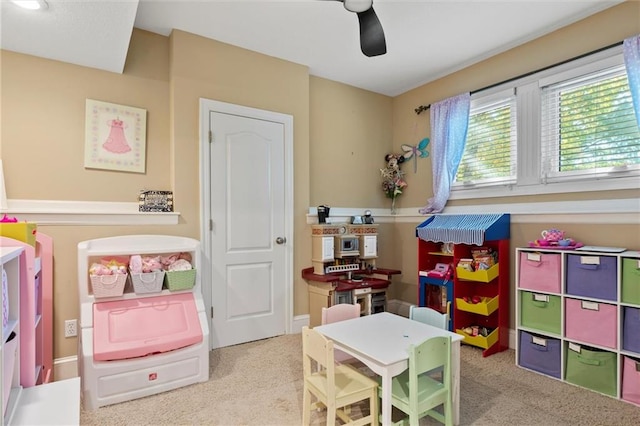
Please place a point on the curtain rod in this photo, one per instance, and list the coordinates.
(423, 108)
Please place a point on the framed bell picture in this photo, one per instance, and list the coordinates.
(115, 137)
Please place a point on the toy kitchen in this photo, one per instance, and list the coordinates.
(344, 269)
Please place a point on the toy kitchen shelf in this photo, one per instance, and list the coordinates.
(331, 289)
(479, 299)
(344, 269)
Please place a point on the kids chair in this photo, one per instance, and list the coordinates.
(430, 316)
(416, 393)
(340, 312)
(335, 386)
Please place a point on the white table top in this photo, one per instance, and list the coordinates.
(384, 337)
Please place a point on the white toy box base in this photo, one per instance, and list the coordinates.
(111, 382)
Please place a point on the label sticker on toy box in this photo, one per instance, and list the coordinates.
(574, 347)
(539, 341)
(540, 298)
(591, 306)
(535, 257)
(589, 260)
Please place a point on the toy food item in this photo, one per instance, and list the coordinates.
(476, 299)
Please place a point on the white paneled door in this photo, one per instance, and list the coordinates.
(249, 208)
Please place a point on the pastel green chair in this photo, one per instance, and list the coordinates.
(415, 392)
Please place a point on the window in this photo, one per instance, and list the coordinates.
(589, 127)
(490, 149)
(570, 128)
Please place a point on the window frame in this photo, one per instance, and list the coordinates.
(528, 91)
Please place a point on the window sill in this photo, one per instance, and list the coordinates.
(53, 212)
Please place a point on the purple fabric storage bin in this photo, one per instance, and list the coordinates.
(631, 330)
(540, 354)
(592, 276)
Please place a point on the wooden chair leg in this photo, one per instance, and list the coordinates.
(448, 414)
(331, 414)
(373, 407)
(306, 407)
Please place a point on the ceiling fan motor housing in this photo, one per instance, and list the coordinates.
(358, 6)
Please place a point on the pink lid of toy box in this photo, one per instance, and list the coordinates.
(138, 327)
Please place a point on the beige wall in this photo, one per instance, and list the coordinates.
(340, 137)
(42, 147)
(351, 131)
(603, 29)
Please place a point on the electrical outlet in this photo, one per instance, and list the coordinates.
(71, 328)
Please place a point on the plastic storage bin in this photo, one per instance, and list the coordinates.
(631, 329)
(540, 312)
(591, 322)
(540, 271)
(539, 353)
(591, 368)
(631, 380)
(631, 281)
(592, 276)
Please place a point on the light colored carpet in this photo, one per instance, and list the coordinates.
(260, 383)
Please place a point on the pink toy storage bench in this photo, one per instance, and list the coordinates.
(540, 271)
(136, 345)
(591, 322)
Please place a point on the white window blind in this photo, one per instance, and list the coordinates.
(490, 151)
(589, 128)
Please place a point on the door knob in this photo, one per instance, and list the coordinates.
(281, 240)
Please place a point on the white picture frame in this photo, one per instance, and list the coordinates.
(115, 137)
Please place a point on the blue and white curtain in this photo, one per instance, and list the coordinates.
(631, 51)
(449, 124)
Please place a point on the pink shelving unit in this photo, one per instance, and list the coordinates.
(36, 309)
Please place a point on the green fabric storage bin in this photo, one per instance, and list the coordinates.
(592, 369)
(631, 281)
(540, 312)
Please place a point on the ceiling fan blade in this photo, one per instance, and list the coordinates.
(372, 42)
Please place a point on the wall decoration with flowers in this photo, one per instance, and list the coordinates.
(393, 178)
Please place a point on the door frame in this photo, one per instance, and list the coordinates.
(206, 107)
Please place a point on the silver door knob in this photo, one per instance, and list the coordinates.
(281, 240)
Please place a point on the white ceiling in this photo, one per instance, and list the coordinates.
(426, 39)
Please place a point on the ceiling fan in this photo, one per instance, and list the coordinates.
(372, 42)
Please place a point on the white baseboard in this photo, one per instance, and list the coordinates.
(65, 368)
(299, 322)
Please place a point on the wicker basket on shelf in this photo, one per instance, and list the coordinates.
(180, 280)
(108, 285)
(148, 282)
